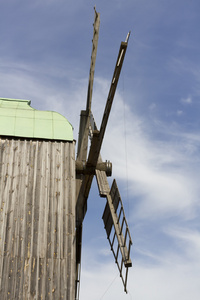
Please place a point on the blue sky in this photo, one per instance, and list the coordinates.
(153, 135)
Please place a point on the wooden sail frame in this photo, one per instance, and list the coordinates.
(39, 209)
(88, 166)
(115, 221)
(82, 151)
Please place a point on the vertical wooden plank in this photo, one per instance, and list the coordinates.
(37, 239)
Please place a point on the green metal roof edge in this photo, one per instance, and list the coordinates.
(19, 119)
(17, 100)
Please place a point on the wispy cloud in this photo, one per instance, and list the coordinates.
(151, 139)
(167, 275)
(187, 100)
(163, 168)
(189, 242)
(179, 112)
(160, 171)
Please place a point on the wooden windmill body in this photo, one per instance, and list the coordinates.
(43, 196)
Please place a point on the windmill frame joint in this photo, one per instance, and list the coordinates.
(85, 168)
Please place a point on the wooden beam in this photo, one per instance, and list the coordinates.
(98, 136)
(93, 60)
(82, 168)
(82, 148)
(85, 115)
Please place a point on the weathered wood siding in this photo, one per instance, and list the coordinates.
(37, 219)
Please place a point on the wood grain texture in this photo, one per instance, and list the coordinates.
(37, 219)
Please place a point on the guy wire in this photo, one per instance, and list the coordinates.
(125, 144)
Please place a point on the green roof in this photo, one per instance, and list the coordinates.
(19, 119)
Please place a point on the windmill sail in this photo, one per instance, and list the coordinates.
(118, 232)
(115, 222)
(97, 137)
(82, 152)
(92, 165)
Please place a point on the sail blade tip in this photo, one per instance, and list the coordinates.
(127, 37)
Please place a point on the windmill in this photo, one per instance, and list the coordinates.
(44, 191)
(91, 164)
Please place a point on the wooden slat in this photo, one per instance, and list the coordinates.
(108, 221)
(37, 219)
(114, 217)
(102, 184)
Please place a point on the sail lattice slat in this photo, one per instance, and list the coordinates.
(118, 232)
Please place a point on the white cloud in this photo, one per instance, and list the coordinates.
(42, 86)
(160, 171)
(159, 160)
(172, 274)
(187, 100)
(179, 112)
(165, 282)
(188, 240)
(163, 168)
(174, 277)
